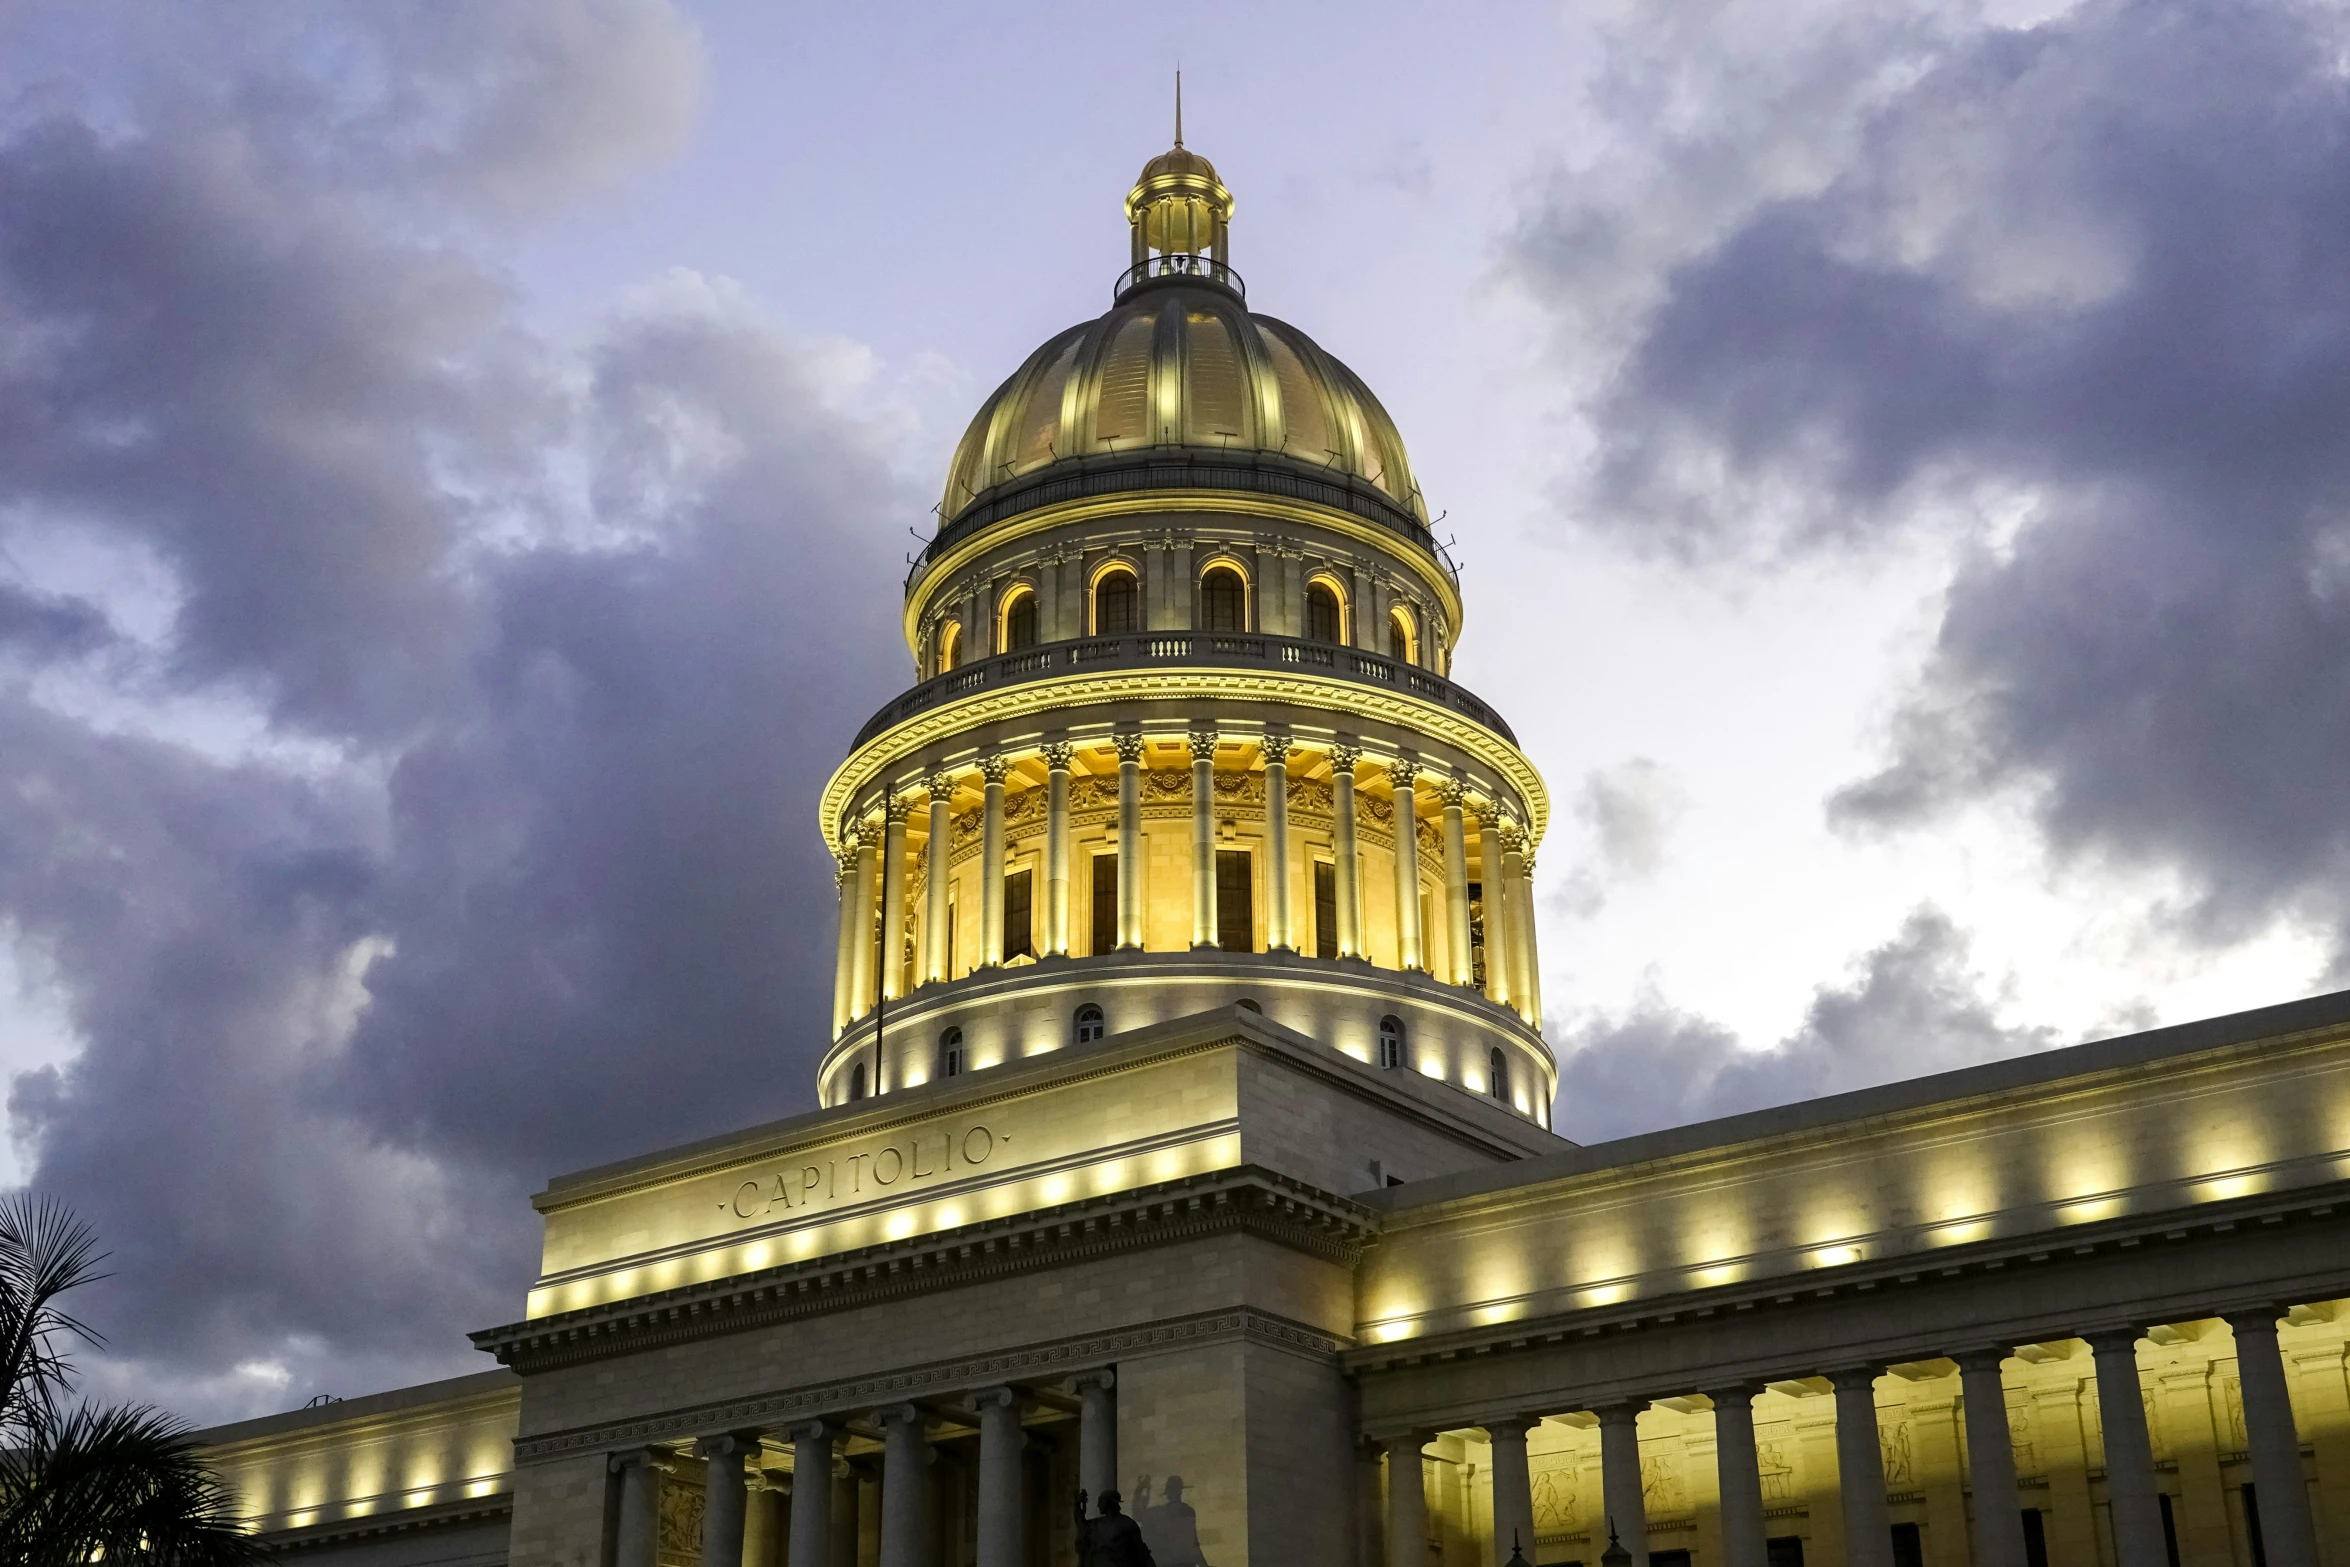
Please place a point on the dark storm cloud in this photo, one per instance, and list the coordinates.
(1914, 1006)
(2086, 288)
(548, 649)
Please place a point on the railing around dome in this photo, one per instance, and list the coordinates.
(1196, 269)
(1184, 649)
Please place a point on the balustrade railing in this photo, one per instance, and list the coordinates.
(1198, 649)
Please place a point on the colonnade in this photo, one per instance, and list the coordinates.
(873, 871)
(2287, 1531)
(734, 1479)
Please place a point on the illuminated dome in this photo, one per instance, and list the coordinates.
(1179, 364)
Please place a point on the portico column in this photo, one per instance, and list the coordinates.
(1860, 1471)
(1493, 882)
(991, 863)
(1513, 1489)
(1990, 1446)
(1002, 1542)
(2287, 1536)
(2129, 1454)
(1057, 757)
(1407, 867)
(811, 1495)
(1345, 861)
(725, 1496)
(763, 1520)
(1097, 1432)
(1456, 887)
(905, 1487)
(868, 889)
(1745, 1541)
(640, 1471)
(844, 962)
(1278, 936)
(1527, 951)
(1129, 841)
(934, 915)
(893, 899)
(1407, 1503)
(1203, 838)
(1619, 1479)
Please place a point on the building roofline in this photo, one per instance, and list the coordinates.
(2175, 1043)
(397, 1400)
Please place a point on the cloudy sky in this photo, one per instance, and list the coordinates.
(456, 463)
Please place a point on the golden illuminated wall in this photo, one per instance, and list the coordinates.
(2194, 1413)
(2161, 1135)
(436, 1447)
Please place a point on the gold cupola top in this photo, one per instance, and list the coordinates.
(1181, 216)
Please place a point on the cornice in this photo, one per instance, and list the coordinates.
(1245, 1199)
(1043, 1360)
(345, 1531)
(1060, 693)
(1391, 547)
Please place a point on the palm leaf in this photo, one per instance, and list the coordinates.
(119, 1485)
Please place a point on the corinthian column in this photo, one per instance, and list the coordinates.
(1203, 839)
(1528, 952)
(1456, 888)
(1494, 884)
(1278, 935)
(1129, 842)
(1407, 866)
(1057, 757)
(1521, 922)
(868, 886)
(893, 899)
(991, 862)
(934, 916)
(1345, 860)
(844, 961)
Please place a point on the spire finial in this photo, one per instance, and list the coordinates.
(1179, 106)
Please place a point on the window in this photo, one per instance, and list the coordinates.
(1784, 1550)
(1325, 909)
(1909, 1549)
(950, 1053)
(1117, 604)
(950, 645)
(1391, 1041)
(1668, 1559)
(1223, 601)
(857, 1081)
(2035, 1539)
(1235, 893)
(1497, 1075)
(1020, 623)
(2170, 1530)
(1399, 648)
(1325, 620)
(1087, 1026)
(1105, 903)
(1019, 933)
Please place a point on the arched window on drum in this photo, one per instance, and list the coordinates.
(1117, 603)
(1325, 612)
(1497, 1075)
(1087, 1025)
(1019, 631)
(857, 1081)
(1391, 1041)
(1403, 637)
(950, 646)
(1223, 600)
(950, 1053)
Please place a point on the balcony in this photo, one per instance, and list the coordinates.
(1184, 650)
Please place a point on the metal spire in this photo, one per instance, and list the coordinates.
(1179, 106)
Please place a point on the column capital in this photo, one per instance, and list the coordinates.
(1981, 1357)
(995, 769)
(1344, 758)
(1623, 1414)
(1509, 832)
(2115, 1341)
(1510, 1427)
(2254, 1319)
(813, 1431)
(1102, 1377)
(1401, 772)
(1739, 1395)
(659, 1460)
(896, 807)
(1129, 747)
(901, 1414)
(1276, 748)
(941, 785)
(999, 1397)
(775, 1480)
(1851, 1378)
(1454, 793)
(1058, 755)
(727, 1444)
(1391, 1442)
(1203, 744)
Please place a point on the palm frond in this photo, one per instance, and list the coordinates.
(118, 1485)
(44, 1252)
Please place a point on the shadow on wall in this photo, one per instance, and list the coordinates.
(1171, 1528)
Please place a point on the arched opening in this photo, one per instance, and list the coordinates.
(1020, 621)
(1497, 1075)
(950, 645)
(1325, 613)
(950, 1053)
(1223, 600)
(1248, 1004)
(1087, 1026)
(1117, 603)
(1403, 640)
(1391, 1041)
(857, 1081)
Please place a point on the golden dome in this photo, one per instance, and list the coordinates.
(1179, 363)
